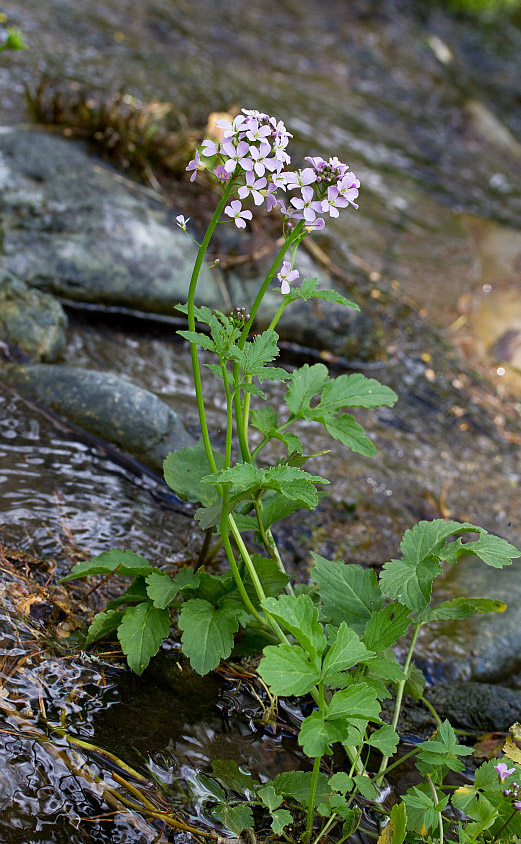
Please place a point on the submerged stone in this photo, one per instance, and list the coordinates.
(107, 406)
(31, 323)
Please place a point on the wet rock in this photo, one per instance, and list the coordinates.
(31, 322)
(78, 229)
(478, 707)
(483, 648)
(105, 405)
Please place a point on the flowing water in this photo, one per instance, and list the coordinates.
(424, 106)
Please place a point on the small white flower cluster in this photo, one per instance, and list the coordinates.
(253, 153)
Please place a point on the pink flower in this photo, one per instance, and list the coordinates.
(285, 276)
(221, 173)
(261, 160)
(301, 178)
(504, 771)
(236, 155)
(307, 204)
(210, 148)
(195, 164)
(334, 201)
(234, 210)
(253, 187)
(181, 222)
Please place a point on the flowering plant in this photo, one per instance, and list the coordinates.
(332, 640)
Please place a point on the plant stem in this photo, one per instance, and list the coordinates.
(440, 816)
(334, 817)
(503, 827)
(225, 517)
(191, 324)
(394, 765)
(431, 709)
(399, 696)
(312, 795)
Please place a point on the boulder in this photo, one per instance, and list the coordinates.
(31, 323)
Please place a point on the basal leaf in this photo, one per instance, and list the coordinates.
(207, 633)
(231, 776)
(127, 564)
(354, 391)
(300, 616)
(347, 651)
(316, 734)
(184, 470)
(161, 588)
(306, 382)
(385, 740)
(234, 818)
(140, 633)
(272, 578)
(410, 585)
(287, 670)
(296, 785)
(136, 592)
(280, 819)
(459, 608)
(386, 626)
(102, 624)
(349, 593)
(269, 797)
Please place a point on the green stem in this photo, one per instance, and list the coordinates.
(503, 827)
(334, 817)
(279, 313)
(312, 795)
(395, 765)
(440, 816)
(191, 324)
(229, 416)
(399, 695)
(431, 709)
(225, 517)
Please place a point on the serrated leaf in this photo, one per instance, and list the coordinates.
(199, 339)
(269, 797)
(299, 615)
(354, 391)
(341, 782)
(384, 668)
(422, 812)
(127, 563)
(386, 626)
(410, 585)
(396, 829)
(443, 751)
(493, 550)
(136, 592)
(211, 587)
(316, 734)
(349, 593)
(140, 633)
(428, 539)
(296, 784)
(161, 588)
(253, 389)
(231, 776)
(264, 419)
(207, 633)
(102, 624)
(207, 517)
(385, 740)
(347, 651)
(366, 787)
(347, 430)
(234, 818)
(459, 608)
(258, 352)
(287, 670)
(202, 314)
(280, 819)
(184, 470)
(356, 703)
(415, 682)
(306, 382)
(293, 483)
(308, 291)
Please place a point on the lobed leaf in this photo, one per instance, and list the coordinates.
(354, 391)
(349, 593)
(299, 615)
(162, 589)
(386, 626)
(127, 563)
(347, 651)
(347, 430)
(287, 670)
(234, 818)
(102, 624)
(316, 734)
(207, 633)
(459, 608)
(296, 784)
(140, 633)
(356, 703)
(306, 382)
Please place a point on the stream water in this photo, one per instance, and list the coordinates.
(424, 105)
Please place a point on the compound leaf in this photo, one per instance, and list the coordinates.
(386, 626)
(459, 608)
(346, 651)
(299, 615)
(161, 588)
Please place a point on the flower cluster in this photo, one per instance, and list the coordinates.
(514, 790)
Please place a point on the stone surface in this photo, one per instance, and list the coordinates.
(106, 405)
(479, 707)
(31, 323)
(76, 228)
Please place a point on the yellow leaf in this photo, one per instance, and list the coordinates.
(512, 747)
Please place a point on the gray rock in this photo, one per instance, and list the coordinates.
(78, 229)
(479, 707)
(105, 405)
(33, 322)
(486, 648)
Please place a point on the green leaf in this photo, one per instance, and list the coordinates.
(300, 616)
(366, 787)
(162, 589)
(269, 797)
(202, 314)
(207, 633)
(316, 734)
(443, 751)
(396, 829)
(384, 668)
(102, 624)
(208, 517)
(385, 740)
(292, 482)
(411, 585)
(280, 819)
(257, 352)
(127, 564)
(141, 631)
(341, 782)
(354, 391)
(306, 382)
(296, 784)
(428, 539)
(308, 291)
(136, 592)
(386, 626)
(200, 339)
(415, 683)
(254, 390)
(234, 818)
(264, 419)
(184, 470)
(349, 593)
(346, 652)
(345, 429)
(231, 776)
(493, 550)
(287, 670)
(211, 587)
(272, 578)
(459, 608)
(356, 703)
(422, 810)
